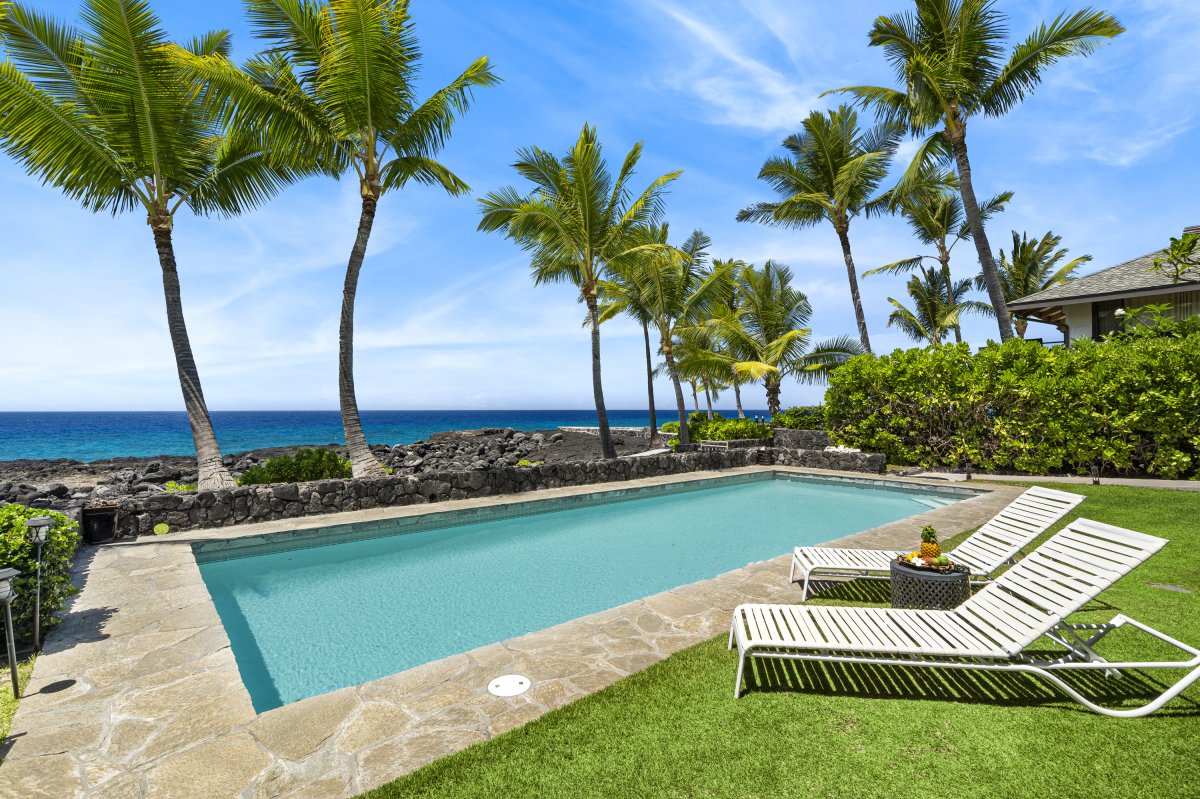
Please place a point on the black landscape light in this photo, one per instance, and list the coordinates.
(39, 532)
(1095, 475)
(7, 576)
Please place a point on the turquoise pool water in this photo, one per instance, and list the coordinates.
(304, 621)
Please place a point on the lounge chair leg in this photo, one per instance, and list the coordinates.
(732, 627)
(737, 685)
(804, 589)
(792, 572)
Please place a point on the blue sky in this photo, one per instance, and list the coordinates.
(1103, 154)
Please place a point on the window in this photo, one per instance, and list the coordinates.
(1105, 318)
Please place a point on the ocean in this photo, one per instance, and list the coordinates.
(96, 435)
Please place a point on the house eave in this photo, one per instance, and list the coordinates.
(1170, 288)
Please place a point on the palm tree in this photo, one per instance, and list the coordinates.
(829, 174)
(934, 213)
(773, 325)
(619, 295)
(948, 56)
(1033, 267)
(576, 222)
(937, 306)
(339, 80)
(106, 115)
(729, 309)
(674, 287)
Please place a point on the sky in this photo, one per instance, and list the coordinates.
(1103, 154)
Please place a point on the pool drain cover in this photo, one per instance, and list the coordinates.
(509, 685)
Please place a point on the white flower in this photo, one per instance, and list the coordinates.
(1119, 312)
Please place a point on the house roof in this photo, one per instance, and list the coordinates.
(1135, 275)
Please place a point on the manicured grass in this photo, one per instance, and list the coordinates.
(8, 703)
(674, 729)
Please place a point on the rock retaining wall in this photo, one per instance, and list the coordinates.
(801, 439)
(184, 511)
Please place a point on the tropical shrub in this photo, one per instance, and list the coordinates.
(801, 417)
(729, 430)
(305, 465)
(178, 488)
(18, 552)
(1130, 405)
(670, 427)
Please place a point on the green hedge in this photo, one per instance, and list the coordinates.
(802, 417)
(305, 465)
(1130, 405)
(720, 428)
(17, 552)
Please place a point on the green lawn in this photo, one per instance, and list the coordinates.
(674, 729)
(8, 703)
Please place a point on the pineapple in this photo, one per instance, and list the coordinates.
(930, 548)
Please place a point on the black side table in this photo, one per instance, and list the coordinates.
(929, 589)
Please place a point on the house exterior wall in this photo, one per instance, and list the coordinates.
(1079, 320)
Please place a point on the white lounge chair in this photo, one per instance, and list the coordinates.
(994, 544)
(990, 630)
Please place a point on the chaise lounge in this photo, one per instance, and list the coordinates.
(993, 545)
(987, 632)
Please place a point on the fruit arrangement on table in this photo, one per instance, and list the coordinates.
(929, 556)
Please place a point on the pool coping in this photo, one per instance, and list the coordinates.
(157, 707)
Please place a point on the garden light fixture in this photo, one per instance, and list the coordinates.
(1095, 475)
(39, 532)
(7, 576)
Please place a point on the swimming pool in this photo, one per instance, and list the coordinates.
(318, 610)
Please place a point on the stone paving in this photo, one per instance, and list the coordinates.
(137, 693)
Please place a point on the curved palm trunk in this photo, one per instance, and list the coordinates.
(991, 277)
(708, 400)
(774, 384)
(1022, 325)
(212, 472)
(695, 397)
(655, 440)
(362, 462)
(680, 404)
(944, 259)
(737, 398)
(852, 276)
(607, 450)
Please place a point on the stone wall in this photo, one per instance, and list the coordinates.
(801, 439)
(185, 511)
(869, 462)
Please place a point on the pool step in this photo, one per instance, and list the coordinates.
(935, 503)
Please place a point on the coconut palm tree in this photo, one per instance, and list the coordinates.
(937, 307)
(831, 169)
(934, 212)
(338, 80)
(728, 309)
(619, 295)
(105, 114)
(577, 222)
(773, 325)
(1033, 266)
(948, 55)
(676, 288)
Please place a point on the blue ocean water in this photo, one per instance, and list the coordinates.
(306, 621)
(89, 436)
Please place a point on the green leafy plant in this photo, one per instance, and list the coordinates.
(162, 528)
(305, 465)
(670, 427)
(17, 551)
(1179, 258)
(527, 463)
(1154, 321)
(1129, 405)
(729, 430)
(803, 417)
(178, 488)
